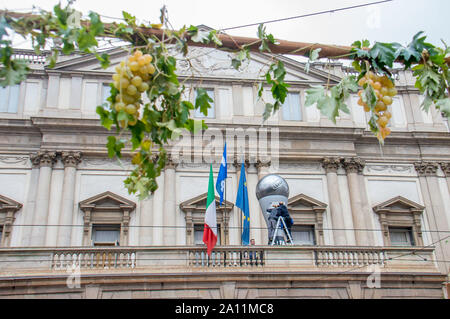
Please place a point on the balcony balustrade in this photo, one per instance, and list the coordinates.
(235, 258)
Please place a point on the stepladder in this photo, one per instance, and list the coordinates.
(281, 235)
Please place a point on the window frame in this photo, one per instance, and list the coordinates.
(8, 99)
(200, 228)
(410, 237)
(301, 107)
(97, 227)
(311, 230)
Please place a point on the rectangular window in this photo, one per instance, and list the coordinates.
(106, 235)
(401, 236)
(106, 92)
(198, 234)
(211, 110)
(9, 99)
(1, 233)
(303, 235)
(291, 108)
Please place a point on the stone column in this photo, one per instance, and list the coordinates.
(31, 202)
(70, 161)
(169, 206)
(434, 210)
(146, 221)
(331, 166)
(263, 170)
(158, 211)
(353, 167)
(45, 160)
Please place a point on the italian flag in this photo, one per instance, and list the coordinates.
(210, 230)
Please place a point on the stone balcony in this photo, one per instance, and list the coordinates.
(236, 259)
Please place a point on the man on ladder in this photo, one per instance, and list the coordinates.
(280, 220)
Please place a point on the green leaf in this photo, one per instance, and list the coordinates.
(314, 95)
(13, 73)
(444, 106)
(130, 19)
(268, 111)
(202, 101)
(369, 97)
(114, 147)
(105, 117)
(383, 52)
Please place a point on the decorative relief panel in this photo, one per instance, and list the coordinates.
(390, 169)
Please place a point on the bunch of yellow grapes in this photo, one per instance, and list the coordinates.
(130, 80)
(385, 91)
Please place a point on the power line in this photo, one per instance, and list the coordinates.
(308, 15)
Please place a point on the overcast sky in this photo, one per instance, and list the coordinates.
(388, 22)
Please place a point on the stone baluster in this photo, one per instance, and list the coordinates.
(70, 161)
(353, 167)
(45, 160)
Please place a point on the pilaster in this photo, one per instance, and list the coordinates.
(354, 166)
(331, 166)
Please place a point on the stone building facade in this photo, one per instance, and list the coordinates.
(370, 221)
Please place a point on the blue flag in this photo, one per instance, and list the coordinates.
(242, 203)
(221, 178)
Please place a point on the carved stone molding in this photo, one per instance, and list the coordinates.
(71, 159)
(426, 168)
(106, 208)
(237, 163)
(353, 165)
(445, 168)
(43, 159)
(261, 165)
(13, 159)
(170, 163)
(331, 164)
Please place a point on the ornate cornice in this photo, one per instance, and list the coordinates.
(353, 165)
(43, 158)
(426, 168)
(331, 164)
(445, 168)
(71, 159)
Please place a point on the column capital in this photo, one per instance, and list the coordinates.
(237, 163)
(43, 158)
(170, 163)
(445, 168)
(261, 165)
(331, 164)
(71, 159)
(426, 168)
(353, 164)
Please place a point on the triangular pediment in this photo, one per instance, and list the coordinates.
(207, 63)
(107, 200)
(398, 203)
(8, 203)
(302, 202)
(199, 203)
